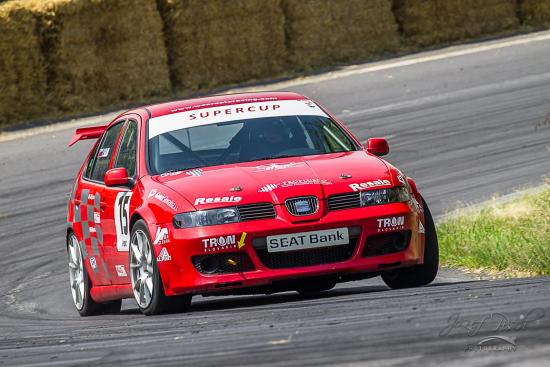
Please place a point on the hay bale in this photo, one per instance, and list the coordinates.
(536, 12)
(429, 22)
(216, 42)
(101, 53)
(324, 32)
(22, 76)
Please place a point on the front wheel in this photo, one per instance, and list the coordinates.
(81, 285)
(145, 276)
(425, 273)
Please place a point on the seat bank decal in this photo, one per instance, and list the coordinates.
(214, 115)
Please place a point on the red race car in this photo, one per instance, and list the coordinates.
(244, 193)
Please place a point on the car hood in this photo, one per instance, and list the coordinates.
(279, 179)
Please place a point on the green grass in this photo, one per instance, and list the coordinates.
(510, 239)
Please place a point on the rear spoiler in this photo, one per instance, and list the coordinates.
(92, 132)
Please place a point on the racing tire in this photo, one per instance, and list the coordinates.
(312, 288)
(145, 276)
(81, 285)
(418, 275)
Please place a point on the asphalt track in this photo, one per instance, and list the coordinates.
(464, 125)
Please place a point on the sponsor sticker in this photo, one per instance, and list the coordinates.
(402, 179)
(164, 255)
(120, 270)
(194, 172)
(97, 218)
(218, 199)
(163, 198)
(206, 114)
(421, 227)
(93, 263)
(220, 243)
(103, 153)
(161, 237)
(292, 183)
(369, 184)
(391, 224)
(278, 166)
(91, 197)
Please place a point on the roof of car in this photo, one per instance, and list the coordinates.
(167, 108)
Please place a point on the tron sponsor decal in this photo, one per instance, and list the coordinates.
(164, 255)
(391, 224)
(278, 166)
(220, 243)
(231, 112)
(163, 198)
(122, 220)
(121, 271)
(218, 199)
(161, 237)
(369, 184)
(291, 183)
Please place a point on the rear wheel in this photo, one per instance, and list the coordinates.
(81, 285)
(418, 275)
(145, 276)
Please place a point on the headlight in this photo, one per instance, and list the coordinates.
(384, 196)
(209, 217)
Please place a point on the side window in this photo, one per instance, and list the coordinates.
(90, 164)
(105, 152)
(126, 151)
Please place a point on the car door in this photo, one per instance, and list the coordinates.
(116, 220)
(90, 205)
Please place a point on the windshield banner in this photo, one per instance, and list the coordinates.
(245, 111)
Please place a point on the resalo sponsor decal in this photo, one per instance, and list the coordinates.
(121, 270)
(164, 255)
(163, 198)
(391, 224)
(161, 237)
(218, 199)
(369, 184)
(278, 166)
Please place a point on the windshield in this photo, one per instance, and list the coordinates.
(244, 141)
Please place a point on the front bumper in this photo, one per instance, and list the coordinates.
(180, 275)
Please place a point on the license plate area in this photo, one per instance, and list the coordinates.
(307, 240)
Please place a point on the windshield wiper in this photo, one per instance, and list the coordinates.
(180, 170)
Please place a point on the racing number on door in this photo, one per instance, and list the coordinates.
(122, 220)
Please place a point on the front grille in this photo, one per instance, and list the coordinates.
(226, 263)
(344, 201)
(310, 257)
(256, 211)
(305, 205)
(387, 243)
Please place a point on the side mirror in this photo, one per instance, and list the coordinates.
(117, 177)
(378, 146)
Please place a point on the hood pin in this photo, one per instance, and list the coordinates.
(236, 188)
(344, 176)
